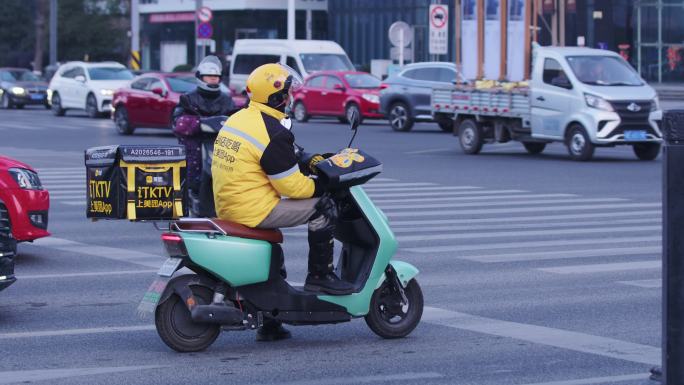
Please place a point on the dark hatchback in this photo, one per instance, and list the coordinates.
(20, 87)
(8, 246)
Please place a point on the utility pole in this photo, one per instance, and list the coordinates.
(135, 36)
(199, 49)
(53, 32)
(290, 19)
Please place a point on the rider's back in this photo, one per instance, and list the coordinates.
(252, 166)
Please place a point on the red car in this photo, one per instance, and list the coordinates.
(24, 203)
(338, 93)
(150, 99)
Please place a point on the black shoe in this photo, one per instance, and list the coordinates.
(656, 374)
(272, 331)
(328, 283)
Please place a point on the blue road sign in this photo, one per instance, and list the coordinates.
(205, 31)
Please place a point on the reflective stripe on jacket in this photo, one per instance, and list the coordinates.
(254, 165)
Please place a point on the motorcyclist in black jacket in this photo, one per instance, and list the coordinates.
(206, 101)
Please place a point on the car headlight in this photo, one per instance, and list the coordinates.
(18, 90)
(106, 92)
(371, 98)
(598, 102)
(26, 179)
(655, 104)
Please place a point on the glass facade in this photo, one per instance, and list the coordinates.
(227, 27)
(660, 39)
(361, 26)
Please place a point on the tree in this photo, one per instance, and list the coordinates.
(42, 8)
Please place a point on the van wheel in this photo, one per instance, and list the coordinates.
(534, 147)
(470, 137)
(646, 151)
(579, 146)
(400, 117)
(300, 113)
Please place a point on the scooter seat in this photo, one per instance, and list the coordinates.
(242, 231)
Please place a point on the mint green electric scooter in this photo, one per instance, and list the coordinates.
(237, 280)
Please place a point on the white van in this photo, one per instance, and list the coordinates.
(305, 56)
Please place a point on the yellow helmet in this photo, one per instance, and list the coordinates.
(271, 83)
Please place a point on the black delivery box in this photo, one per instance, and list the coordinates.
(135, 182)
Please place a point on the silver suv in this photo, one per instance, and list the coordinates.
(406, 96)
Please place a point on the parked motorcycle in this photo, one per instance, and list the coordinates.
(236, 281)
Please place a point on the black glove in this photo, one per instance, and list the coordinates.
(307, 162)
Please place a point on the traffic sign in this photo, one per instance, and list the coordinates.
(205, 14)
(400, 34)
(439, 36)
(205, 31)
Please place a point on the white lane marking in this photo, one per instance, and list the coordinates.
(407, 184)
(645, 283)
(362, 379)
(117, 254)
(71, 196)
(528, 233)
(384, 180)
(429, 151)
(407, 189)
(541, 335)
(522, 210)
(48, 185)
(545, 225)
(516, 245)
(580, 342)
(603, 267)
(75, 332)
(73, 203)
(597, 380)
(89, 274)
(471, 198)
(556, 254)
(499, 203)
(536, 218)
(456, 193)
(53, 374)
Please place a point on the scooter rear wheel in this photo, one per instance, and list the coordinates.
(387, 317)
(176, 327)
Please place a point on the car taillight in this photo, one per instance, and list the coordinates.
(174, 245)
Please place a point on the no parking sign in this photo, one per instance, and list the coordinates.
(439, 25)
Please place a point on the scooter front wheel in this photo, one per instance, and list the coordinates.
(389, 315)
(176, 327)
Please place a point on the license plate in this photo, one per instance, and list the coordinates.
(149, 302)
(37, 97)
(635, 135)
(169, 267)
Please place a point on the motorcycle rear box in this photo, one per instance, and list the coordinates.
(135, 182)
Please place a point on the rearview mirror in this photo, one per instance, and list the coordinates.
(158, 91)
(561, 81)
(338, 87)
(80, 78)
(354, 120)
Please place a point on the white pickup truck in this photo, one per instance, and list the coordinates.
(583, 97)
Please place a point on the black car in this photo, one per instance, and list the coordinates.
(405, 98)
(8, 248)
(20, 87)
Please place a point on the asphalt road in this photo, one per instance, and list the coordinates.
(535, 270)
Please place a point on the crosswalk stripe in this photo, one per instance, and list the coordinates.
(529, 244)
(393, 184)
(378, 195)
(489, 234)
(406, 189)
(561, 217)
(556, 254)
(500, 203)
(469, 227)
(644, 283)
(603, 267)
(472, 198)
(522, 210)
(73, 203)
